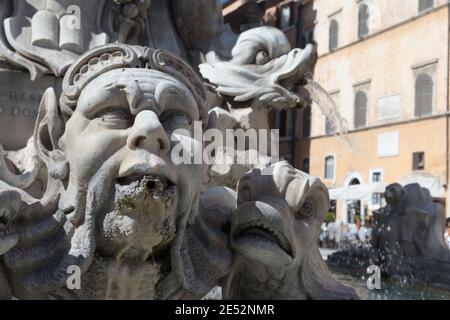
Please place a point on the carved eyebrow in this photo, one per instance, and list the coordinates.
(171, 97)
(165, 95)
(133, 96)
(136, 98)
(114, 98)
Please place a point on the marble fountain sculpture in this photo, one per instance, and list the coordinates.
(407, 240)
(95, 191)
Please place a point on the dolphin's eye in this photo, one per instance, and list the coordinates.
(114, 118)
(175, 119)
(262, 57)
(306, 211)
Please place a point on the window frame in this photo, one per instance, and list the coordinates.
(426, 9)
(416, 77)
(336, 35)
(366, 95)
(361, 6)
(414, 162)
(292, 7)
(376, 200)
(376, 170)
(309, 35)
(306, 121)
(329, 156)
(329, 130)
(306, 159)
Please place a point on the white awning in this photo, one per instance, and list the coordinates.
(425, 180)
(357, 192)
(365, 191)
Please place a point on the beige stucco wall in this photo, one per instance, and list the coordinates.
(357, 152)
(387, 63)
(384, 13)
(387, 60)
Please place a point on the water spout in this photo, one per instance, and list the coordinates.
(327, 106)
(338, 123)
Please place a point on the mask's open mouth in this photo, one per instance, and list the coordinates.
(140, 222)
(158, 187)
(262, 231)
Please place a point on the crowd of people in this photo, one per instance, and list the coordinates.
(336, 235)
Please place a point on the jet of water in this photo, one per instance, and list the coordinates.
(329, 109)
(327, 106)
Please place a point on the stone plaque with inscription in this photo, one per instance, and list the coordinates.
(19, 102)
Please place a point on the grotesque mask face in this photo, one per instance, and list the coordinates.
(266, 214)
(118, 147)
(275, 231)
(107, 146)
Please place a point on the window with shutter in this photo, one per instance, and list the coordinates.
(306, 122)
(425, 5)
(418, 161)
(376, 199)
(376, 176)
(305, 165)
(329, 126)
(281, 123)
(424, 95)
(329, 167)
(363, 21)
(334, 35)
(286, 17)
(310, 36)
(360, 117)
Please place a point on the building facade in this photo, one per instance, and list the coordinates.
(385, 65)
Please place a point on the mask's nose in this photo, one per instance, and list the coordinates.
(148, 133)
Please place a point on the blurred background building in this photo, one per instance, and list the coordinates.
(385, 64)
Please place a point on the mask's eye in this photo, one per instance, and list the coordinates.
(262, 57)
(306, 211)
(115, 118)
(172, 120)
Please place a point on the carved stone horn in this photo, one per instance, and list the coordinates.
(21, 181)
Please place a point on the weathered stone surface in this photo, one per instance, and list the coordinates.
(113, 185)
(19, 102)
(261, 74)
(274, 232)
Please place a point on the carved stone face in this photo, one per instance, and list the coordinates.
(118, 147)
(275, 231)
(266, 215)
(114, 196)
